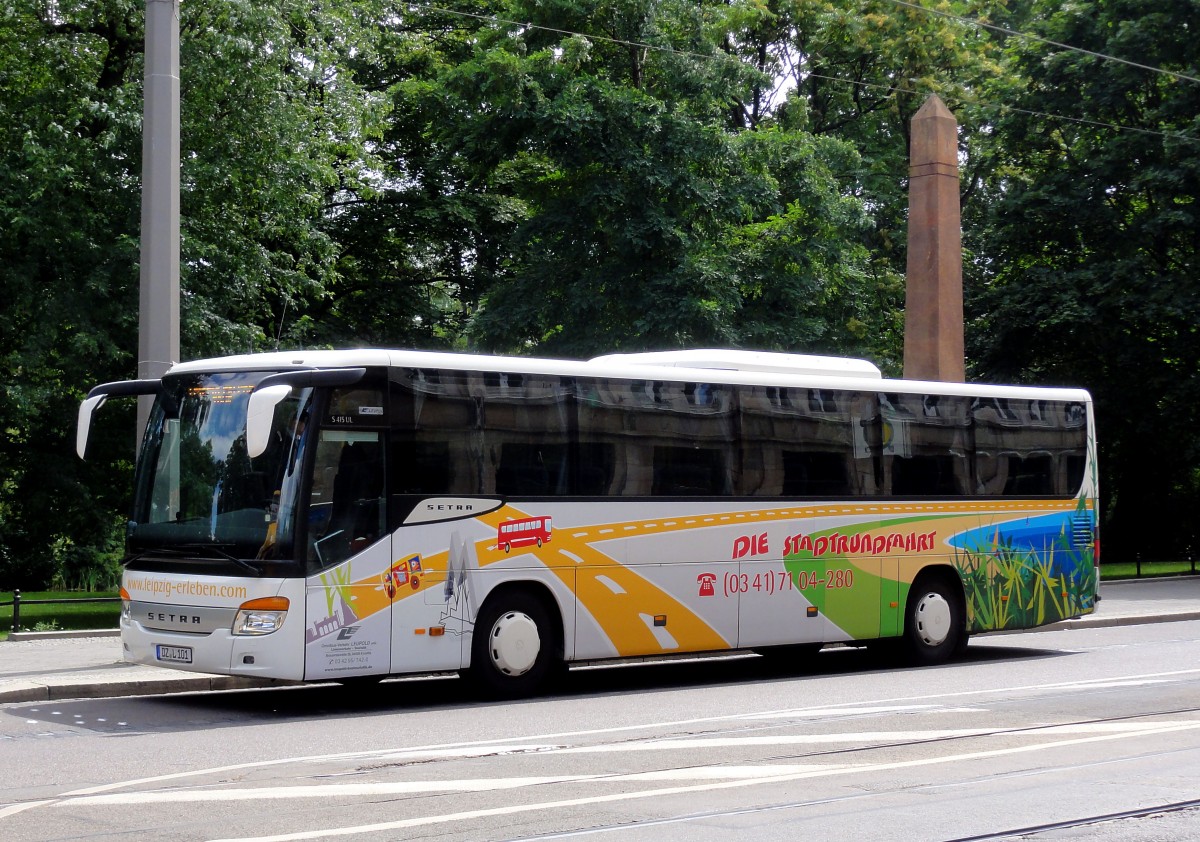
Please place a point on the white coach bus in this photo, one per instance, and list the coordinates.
(333, 514)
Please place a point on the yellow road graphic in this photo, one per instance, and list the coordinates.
(619, 610)
(620, 600)
(658, 526)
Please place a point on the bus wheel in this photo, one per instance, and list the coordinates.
(935, 622)
(515, 645)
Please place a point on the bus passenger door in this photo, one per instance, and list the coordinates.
(432, 595)
(348, 630)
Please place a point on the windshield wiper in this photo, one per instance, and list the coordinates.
(216, 551)
(211, 550)
(152, 552)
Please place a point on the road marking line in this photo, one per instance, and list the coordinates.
(399, 755)
(505, 744)
(867, 737)
(425, 821)
(859, 711)
(13, 809)
(322, 791)
(697, 773)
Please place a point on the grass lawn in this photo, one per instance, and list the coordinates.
(72, 615)
(1150, 569)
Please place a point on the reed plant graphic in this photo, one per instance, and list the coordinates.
(1010, 586)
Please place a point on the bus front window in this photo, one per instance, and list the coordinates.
(197, 487)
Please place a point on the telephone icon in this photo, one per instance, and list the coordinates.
(706, 582)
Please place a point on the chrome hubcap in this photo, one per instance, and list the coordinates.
(514, 643)
(934, 618)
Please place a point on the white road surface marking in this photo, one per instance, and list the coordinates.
(425, 821)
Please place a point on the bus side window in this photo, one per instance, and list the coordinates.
(929, 445)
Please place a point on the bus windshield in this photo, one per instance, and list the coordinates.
(197, 489)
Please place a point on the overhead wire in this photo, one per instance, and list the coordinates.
(1039, 39)
(1002, 107)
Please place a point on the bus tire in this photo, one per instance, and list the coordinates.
(934, 621)
(515, 646)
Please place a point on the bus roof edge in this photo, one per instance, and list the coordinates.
(739, 360)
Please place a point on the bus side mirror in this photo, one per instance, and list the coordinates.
(260, 412)
(86, 409)
(119, 389)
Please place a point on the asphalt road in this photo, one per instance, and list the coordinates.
(1030, 732)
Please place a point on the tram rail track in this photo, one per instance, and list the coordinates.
(888, 745)
(1029, 831)
(1050, 827)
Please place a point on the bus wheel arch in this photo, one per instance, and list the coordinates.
(517, 642)
(935, 617)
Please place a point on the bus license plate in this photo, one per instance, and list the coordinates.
(174, 654)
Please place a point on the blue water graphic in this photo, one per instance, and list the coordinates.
(1047, 536)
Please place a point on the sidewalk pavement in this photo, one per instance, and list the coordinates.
(45, 666)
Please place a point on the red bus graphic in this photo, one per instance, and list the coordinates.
(519, 533)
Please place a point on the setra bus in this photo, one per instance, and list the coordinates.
(326, 515)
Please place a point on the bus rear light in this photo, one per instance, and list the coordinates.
(261, 616)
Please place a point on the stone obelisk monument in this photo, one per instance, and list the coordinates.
(933, 308)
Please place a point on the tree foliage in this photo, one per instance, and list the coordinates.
(1090, 237)
(595, 150)
(573, 177)
(273, 127)
(69, 120)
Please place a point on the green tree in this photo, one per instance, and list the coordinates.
(274, 129)
(69, 122)
(857, 71)
(275, 134)
(805, 277)
(420, 239)
(1090, 239)
(590, 159)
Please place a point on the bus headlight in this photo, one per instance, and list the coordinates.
(126, 608)
(260, 616)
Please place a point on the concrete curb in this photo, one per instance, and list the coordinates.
(38, 692)
(62, 635)
(1110, 622)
